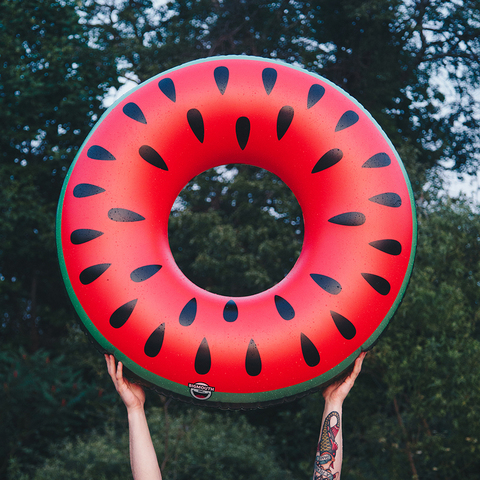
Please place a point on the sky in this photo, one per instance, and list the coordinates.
(469, 185)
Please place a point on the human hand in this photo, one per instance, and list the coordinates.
(337, 392)
(133, 395)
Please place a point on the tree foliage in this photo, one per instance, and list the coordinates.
(43, 399)
(393, 56)
(52, 80)
(238, 230)
(218, 446)
(425, 368)
(51, 83)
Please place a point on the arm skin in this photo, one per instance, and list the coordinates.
(143, 458)
(330, 444)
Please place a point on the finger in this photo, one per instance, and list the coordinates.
(350, 380)
(358, 365)
(120, 372)
(110, 359)
(359, 360)
(114, 373)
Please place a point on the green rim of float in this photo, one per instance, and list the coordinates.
(226, 399)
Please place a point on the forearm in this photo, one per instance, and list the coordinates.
(328, 460)
(143, 458)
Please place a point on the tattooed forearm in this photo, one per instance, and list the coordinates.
(327, 449)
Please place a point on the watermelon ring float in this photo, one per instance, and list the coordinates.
(357, 255)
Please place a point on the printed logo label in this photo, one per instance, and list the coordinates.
(200, 391)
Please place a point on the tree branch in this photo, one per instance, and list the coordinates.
(407, 443)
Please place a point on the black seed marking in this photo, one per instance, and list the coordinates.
(327, 160)
(90, 274)
(203, 361)
(345, 327)
(230, 312)
(242, 129)
(86, 190)
(84, 235)
(378, 283)
(285, 117)
(315, 93)
(388, 199)
(349, 219)
(269, 77)
(188, 313)
(133, 111)
(348, 119)
(124, 215)
(96, 152)
(195, 121)
(309, 351)
(253, 362)
(221, 78)
(122, 314)
(377, 161)
(152, 156)
(155, 341)
(284, 309)
(141, 274)
(392, 247)
(328, 284)
(167, 86)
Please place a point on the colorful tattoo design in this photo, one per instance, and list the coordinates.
(327, 450)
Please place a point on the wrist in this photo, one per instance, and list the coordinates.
(333, 405)
(135, 410)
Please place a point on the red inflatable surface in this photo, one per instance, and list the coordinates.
(358, 249)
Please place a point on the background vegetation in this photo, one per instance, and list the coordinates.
(414, 64)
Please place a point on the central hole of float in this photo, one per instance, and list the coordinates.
(236, 230)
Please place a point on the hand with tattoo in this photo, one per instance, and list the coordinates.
(328, 460)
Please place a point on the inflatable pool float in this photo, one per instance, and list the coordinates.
(357, 255)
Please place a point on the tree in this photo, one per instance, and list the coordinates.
(44, 399)
(398, 58)
(52, 79)
(435, 347)
(413, 411)
(238, 232)
(195, 443)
